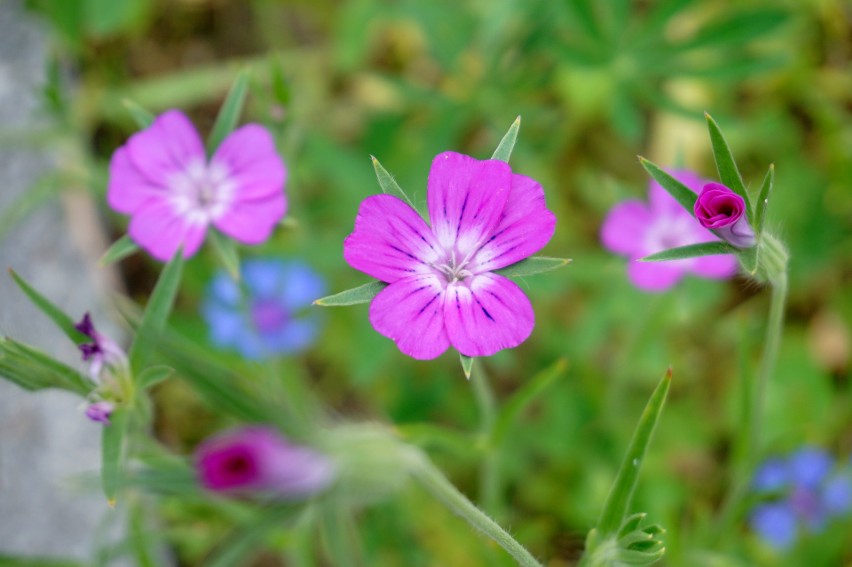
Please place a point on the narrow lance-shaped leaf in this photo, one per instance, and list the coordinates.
(691, 251)
(33, 370)
(389, 184)
(621, 493)
(507, 144)
(157, 311)
(361, 294)
(226, 250)
(467, 364)
(522, 399)
(59, 317)
(112, 453)
(120, 249)
(763, 199)
(682, 194)
(725, 164)
(154, 375)
(142, 117)
(533, 265)
(230, 112)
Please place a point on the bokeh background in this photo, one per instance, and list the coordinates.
(596, 84)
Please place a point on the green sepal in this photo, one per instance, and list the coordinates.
(507, 143)
(523, 397)
(729, 175)
(621, 493)
(532, 265)
(389, 184)
(692, 251)
(229, 114)
(59, 317)
(763, 199)
(749, 259)
(467, 364)
(682, 194)
(154, 375)
(112, 452)
(361, 294)
(33, 370)
(156, 312)
(226, 250)
(141, 116)
(119, 250)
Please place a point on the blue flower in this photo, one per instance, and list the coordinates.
(265, 313)
(803, 492)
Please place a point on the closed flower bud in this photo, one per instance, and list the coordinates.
(723, 211)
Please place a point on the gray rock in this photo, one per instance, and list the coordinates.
(47, 446)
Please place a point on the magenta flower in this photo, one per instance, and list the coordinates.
(723, 211)
(102, 353)
(637, 229)
(443, 290)
(162, 178)
(100, 412)
(258, 460)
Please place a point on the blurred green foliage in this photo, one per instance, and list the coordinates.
(596, 83)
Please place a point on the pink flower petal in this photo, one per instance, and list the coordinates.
(156, 228)
(655, 276)
(410, 312)
(624, 228)
(719, 266)
(488, 316)
(390, 240)
(525, 226)
(251, 222)
(128, 188)
(252, 161)
(466, 198)
(170, 144)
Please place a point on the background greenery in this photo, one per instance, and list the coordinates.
(596, 83)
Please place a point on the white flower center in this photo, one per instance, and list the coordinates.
(202, 192)
(453, 269)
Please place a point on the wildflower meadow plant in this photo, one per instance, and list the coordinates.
(637, 229)
(265, 313)
(801, 493)
(163, 179)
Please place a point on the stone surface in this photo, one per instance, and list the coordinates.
(49, 452)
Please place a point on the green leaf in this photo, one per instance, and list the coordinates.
(33, 370)
(112, 453)
(154, 375)
(763, 199)
(141, 116)
(618, 501)
(532, 265)
(507, 144)
(226, 250)
(725, 164)
(735, 29)
(361, 294)
(522, 399)
(692, 251)
(389, 184)
(467, 364)
(120, 249)
(246, 541)
(229, 114)
(156, 312)
(59, 317)
(683, 194)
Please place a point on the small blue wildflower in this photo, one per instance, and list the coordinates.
(803, 492)
(264, 314)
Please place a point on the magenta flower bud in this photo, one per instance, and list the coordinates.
(723, 211)
(100, 412)
(259, 460)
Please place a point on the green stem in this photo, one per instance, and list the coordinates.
(442, 489)
(489, 471)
